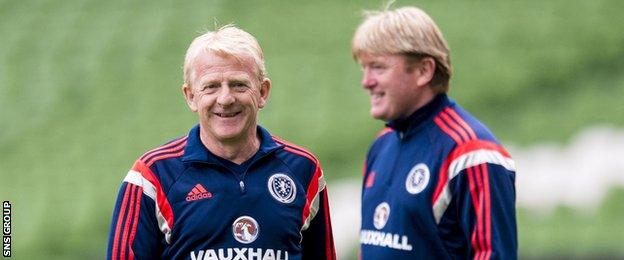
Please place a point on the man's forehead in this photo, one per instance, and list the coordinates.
(366, 58)
(210, 64)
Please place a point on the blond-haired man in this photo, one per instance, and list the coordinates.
(437, 184)
(228, 189)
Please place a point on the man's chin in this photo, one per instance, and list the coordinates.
(378, 115)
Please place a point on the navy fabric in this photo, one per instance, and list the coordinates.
(403, 189)
(199, 198)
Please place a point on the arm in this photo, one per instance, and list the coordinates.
(481, 220)
(489, 216)
(134, 230)
(318, 240)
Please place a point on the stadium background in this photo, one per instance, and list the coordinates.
(87, 86)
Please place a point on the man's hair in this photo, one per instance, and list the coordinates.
(228, 41)
(406, 31)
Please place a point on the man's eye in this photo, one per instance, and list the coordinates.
(210, 87)
(239, 85)
(376, 66)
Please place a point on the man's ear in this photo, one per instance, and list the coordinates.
(265, 89)
(426, 69)
(189, 96)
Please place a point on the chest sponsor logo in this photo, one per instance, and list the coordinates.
(282, 188)
(417, 179)
(370, 180)
(382, 213)
(245, 229)
(239, 254)
(197, 193)
(383, 239)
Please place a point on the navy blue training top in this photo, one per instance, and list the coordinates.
(437, 185)
(181, 202)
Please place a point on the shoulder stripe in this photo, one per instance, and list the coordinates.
(458, 129)
(461, 122)
(141, 175)
(383, 132)
(175, 151)
(296, 149)
(447, 130)
(163, 147)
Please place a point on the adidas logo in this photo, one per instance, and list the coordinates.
(197, 193)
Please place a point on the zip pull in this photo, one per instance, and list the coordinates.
(242, 186)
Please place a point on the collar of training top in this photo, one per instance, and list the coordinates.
(408, 124)
(195, 151)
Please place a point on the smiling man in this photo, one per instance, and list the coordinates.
(228, 189)
(437, 184)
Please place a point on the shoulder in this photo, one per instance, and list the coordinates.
(303, 164)
(171, 149)
(382, 137)
(294, 153)
(160, 166)
(460, 127)
(469, 141)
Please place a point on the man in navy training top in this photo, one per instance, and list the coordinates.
(437, 184)
(228, 189)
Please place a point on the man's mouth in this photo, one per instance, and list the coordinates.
(377, 96)
(227, 115)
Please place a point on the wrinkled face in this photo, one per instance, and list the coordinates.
(226, 94)
(394, 91)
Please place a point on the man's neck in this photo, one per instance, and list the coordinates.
(236, 151)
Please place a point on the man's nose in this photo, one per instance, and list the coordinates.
(368, 80)
(225, 97)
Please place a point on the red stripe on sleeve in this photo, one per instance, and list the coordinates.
(487, 213)
(135, 220)
(475, 204)
(161, 198)
(364, 168)
(311, 193)
(479, 214)
(120, 219)
(126, 233)
(470, 146)
(329, 243)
